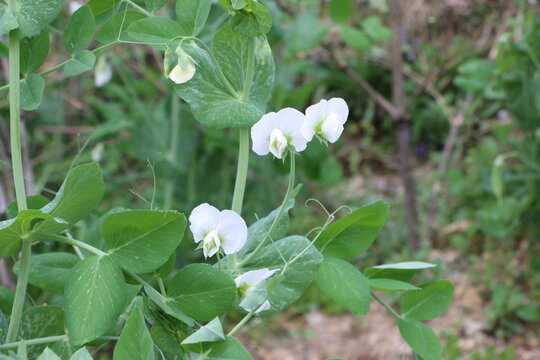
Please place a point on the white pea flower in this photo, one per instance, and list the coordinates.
(217, 229)
(181, 75)
(246, 284)
(277, 132)
(325, 120)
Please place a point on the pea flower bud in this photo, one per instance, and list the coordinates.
(246, 284)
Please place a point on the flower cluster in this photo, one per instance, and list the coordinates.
(289, 129)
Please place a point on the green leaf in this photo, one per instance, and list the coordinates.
(82, 62)
(50, 271)
(430, 302)
(32, 92)
(94, 298)
(305, 32)
(6, 300)
(403, 271)
(142, 240)
(212, 101)
(167, 268)
(421, 339)
(202, 292)
(154, 30)
(79, 194)
(166, 338)
(34, 52)
(353, 234)
(298, 275)
(81, 354)
(341, 11)
(377, 31)
(48, 354)
(33, 202)
(355, 38)
(211, 332)
(27, 222)
(256, 22)
(344, 284)
(230, 349)
(38, 322)
(258, 230)
(154, 5)
(29, 16)
(135, 342)
(168, 305)
(192, 15)
(391, 285)
(79, 30)
(116, 28)
(94, 234)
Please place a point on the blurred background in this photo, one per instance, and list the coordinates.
(444, 124)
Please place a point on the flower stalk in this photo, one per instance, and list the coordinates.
(18, 178)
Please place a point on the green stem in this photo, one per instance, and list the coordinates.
(386, 306)
(280, 213)
(162, 287)
(173, 150)
(74, 242)
(241, 172)
(18, 178)
(242, 323)
(37, 341)
(138, 7)
(20, 291)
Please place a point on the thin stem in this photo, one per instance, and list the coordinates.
(37, 341)
(20, 291)
(162, 287)
(74, 242)
(280, 213)
(242, 322)
(15, 120)
(387, 307)
(138, 7)
(18, 178)
(241, 172)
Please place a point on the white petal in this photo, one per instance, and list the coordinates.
(203, 219)
(278, 143)
(212, 242)
(260, 133)
(102, 75)
(253, 277)
(265, 306)
(315, 115)
(338, 106)
(180, 76)
(332, 128)
(290, 121)
(308, 129)
(232, 231)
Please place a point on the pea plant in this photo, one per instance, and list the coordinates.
(118, 284)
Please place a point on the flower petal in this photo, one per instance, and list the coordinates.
(338, 106)
(253, 277)
(260, 133)
(180, 76)
(332, 128)
(203, 219)
(315, 115)
(232, 231)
